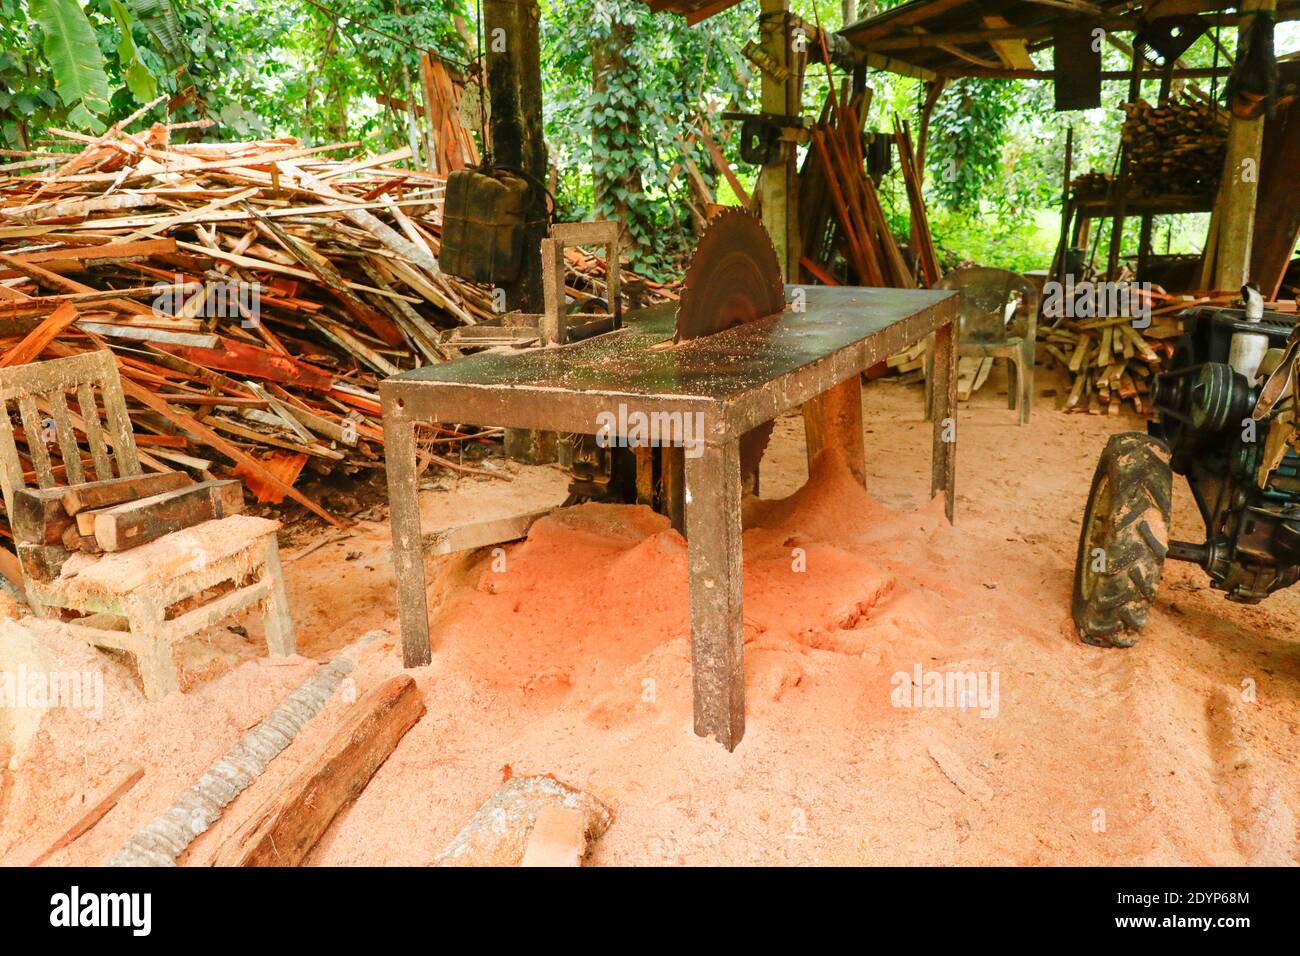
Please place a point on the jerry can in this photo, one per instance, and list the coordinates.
(483, 225)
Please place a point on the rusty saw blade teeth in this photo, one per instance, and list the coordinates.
(734, 277)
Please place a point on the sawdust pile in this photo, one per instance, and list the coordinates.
(572, 658)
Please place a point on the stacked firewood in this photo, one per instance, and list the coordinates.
(1092, 184)
(1110, 360)
(259, 290)
(1113, 360)
(1175, 148)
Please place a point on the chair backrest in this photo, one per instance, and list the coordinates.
(983, 295)
(40, 393)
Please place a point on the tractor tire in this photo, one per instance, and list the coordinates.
(1123, 541)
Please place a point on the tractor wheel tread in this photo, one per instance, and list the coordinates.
(1110, 606)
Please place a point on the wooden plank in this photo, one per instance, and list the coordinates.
(56, 259)
(1011, 51)
(31, 347)
(286, 827)
(91, 807)
(481, 534)
(724, 167)
(36, 449)
(67, 439)
(116, 491)
(134, 523)
(251, 361)
(11, 469)
(94, 433)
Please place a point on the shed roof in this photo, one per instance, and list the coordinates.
(693, 10)
(995, 37)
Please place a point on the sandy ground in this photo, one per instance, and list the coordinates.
(572, 658)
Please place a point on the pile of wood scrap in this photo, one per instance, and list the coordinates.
(1112, 360)
(1092, 185)
(1175, 148)
(254, 293)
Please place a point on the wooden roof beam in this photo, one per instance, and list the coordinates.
(909, 14)
(1012, 52)
(1073, 6)
(1198, 73)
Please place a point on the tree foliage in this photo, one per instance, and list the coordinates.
(627, 94)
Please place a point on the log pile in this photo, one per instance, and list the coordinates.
(1176, 148)
(1092, 185)
(1110, 362)
(1113, 360)
(254, 293)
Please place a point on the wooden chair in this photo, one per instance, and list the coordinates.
(984, 331)
(238, 554)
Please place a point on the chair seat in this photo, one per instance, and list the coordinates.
(160, 562)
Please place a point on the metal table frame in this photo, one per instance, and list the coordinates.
(738, 379)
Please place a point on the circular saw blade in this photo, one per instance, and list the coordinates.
(734, 277)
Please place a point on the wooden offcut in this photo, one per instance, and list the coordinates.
(481, 534)
(91, 807)
(42, 515)
(115, 491)
(134, 523)
(286, 827)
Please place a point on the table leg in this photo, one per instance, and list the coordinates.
(714, 557)
(943, 413)
(408, 545)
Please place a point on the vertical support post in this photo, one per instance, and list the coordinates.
(1239, 189)
(779, 179)
(715, 561)
(512, 47)
(408, 543)
(153, 653)
(1121, 187)
(943, 413)
(552, 326)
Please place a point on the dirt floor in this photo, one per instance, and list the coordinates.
(572, 658)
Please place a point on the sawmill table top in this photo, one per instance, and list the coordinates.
(812, 353)
(739, 378)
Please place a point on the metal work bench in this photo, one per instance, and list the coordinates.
(738, 379)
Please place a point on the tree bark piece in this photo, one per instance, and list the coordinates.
(283, 831)
(499, 833)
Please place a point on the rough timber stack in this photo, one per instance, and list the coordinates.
(260, 289)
